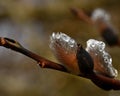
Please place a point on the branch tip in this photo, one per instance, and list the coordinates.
(2, 41)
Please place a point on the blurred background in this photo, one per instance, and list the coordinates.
(31, 22)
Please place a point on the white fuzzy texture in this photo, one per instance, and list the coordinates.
(65, 49)
(100, 14)
(62, 40)
(98, 49)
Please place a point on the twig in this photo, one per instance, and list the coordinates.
(44, 63)
(82, 15)
(105, 83)
(106, 31)
(101, 81)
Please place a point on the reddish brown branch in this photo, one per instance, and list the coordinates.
(105, 83)
(44, 63)
(101, 81)
(82, 15)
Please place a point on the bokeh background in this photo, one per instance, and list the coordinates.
(31, 22)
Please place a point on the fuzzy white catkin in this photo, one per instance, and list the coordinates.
(64, 41)
(69, 45)
(98, 48)
(100, 13)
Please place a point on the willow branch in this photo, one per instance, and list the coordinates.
(101, 81)
(44, 63)
(82, 15)
(105, 83)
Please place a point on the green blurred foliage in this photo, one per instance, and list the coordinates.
(33, 21)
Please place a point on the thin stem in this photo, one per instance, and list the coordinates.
(101, 81)
(44, 63)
